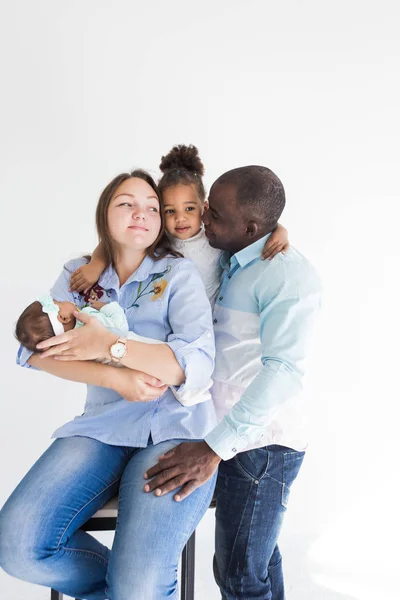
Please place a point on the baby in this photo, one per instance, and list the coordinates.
(47, 317)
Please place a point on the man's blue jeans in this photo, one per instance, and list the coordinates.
(40, 539)
(252, 493)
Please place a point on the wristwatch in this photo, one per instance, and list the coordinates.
(119, 349)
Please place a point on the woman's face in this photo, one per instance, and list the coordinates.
(134, 219)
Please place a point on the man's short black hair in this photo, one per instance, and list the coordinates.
(259, 191)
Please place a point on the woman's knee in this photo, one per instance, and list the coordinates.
(146, 582)
(22, 544)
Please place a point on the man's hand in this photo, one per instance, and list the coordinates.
(134, 386)
(188, 465)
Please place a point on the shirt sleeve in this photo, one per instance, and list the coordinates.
(192, 337)
(59, 291)
(286, 318)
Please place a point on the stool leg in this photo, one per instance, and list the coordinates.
(187, 572)
(187, 569)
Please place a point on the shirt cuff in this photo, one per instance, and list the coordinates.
(194, 358)
(189, 397)
(23, 356)
(225, 442)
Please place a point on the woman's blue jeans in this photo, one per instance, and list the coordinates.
(252, 494)
(40, 536)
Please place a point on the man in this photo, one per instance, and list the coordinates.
(262, 320)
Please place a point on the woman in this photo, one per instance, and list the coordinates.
(131, 418)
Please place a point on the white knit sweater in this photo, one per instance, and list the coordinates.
(205, 258)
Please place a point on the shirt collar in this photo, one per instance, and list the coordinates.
(109, 278)
(248, 254)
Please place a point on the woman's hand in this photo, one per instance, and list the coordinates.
(277, 242)
(85, 277)
(135, 386)
(91, 342)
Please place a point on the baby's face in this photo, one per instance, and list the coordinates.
(182, 210)
(66, 314)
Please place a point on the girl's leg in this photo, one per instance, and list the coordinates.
(40, 540)
(151, 532)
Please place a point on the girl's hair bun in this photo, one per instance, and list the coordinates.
(183, 157)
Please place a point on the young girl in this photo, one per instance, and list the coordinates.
(184, 200)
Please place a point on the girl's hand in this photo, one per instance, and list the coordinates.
(135, 386)
(96, 304)
(91, 342)
(277, 242)
(85, 277)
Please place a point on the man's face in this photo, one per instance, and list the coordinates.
(225, 226)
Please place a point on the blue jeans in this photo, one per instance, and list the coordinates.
(40, 536)
(252, 494)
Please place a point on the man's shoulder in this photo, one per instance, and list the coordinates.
(290, 271)
(294, 261)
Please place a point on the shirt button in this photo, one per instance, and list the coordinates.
(256, 481)
(234, 450)
(221, 298)
(215, 321)
(229, 276)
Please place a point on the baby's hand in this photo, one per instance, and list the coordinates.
(97, 304)
(277, 242)
(84, 278)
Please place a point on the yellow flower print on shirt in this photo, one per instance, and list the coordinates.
(159, 285)
(159, 288)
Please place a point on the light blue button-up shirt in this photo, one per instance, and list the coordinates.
(262, 320)
(164, 300)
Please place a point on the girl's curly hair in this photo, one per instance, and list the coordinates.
(182, 166)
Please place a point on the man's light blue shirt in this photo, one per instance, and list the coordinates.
(262, 320)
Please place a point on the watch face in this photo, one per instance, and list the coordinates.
(118, 350)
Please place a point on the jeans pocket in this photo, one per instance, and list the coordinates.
(253, 463)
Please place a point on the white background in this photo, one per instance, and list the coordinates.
(308, 88)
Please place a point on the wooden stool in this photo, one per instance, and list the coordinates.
(106, 520)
